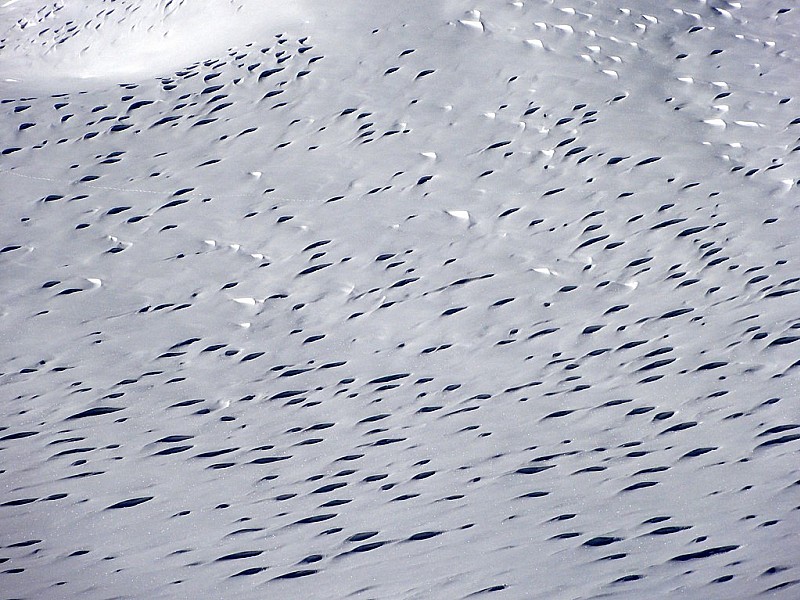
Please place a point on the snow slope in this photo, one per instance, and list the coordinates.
(399, 299)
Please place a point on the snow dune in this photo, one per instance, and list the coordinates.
(399, 300)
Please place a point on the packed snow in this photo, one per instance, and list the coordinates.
(399, 300)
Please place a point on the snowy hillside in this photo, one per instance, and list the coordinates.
(399, 300)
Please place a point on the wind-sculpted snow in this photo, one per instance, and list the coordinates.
(401, 300)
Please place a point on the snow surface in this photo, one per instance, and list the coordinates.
(399, 299)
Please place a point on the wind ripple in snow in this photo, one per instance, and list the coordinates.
(418, 302)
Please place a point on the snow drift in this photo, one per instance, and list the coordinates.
(399, 300)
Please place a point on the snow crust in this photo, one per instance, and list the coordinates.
(399, 299)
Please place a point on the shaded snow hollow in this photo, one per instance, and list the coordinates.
(399, 299)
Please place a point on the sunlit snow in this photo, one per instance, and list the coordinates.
(399, 299)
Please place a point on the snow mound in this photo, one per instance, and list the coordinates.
(121, 39)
